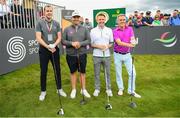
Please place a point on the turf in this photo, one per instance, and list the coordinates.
(158, 80)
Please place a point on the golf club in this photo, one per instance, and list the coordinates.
(83, 101)
(108, 106)
(60, 111)
(132, 104)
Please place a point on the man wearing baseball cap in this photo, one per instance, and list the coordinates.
(147, 20)
(76, 38)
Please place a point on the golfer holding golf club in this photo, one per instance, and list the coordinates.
(101, 41)
(48, 35)
(124, 40)
(76, 38)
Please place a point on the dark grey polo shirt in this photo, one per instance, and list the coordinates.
(42, 27)
(72, 34)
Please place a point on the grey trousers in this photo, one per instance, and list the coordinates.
(105, 62)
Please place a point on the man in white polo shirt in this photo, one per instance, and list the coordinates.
(101, 41)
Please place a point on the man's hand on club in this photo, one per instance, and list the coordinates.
(134, 41)
(51, 48)
(104, 47)
(76, 45)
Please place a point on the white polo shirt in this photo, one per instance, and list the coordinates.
(101, 36)
(4, 9)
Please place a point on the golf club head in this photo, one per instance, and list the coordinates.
(82, 102)
(108, 107)
(133, 105)
(60, 112)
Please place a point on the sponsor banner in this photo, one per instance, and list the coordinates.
(18, 49)
(111, 15)
(66, 18)
(158, 40)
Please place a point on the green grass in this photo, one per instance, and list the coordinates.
(158, 81)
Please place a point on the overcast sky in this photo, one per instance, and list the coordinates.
(86, 7)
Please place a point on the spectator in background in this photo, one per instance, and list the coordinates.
(157, 21)
(136, 13)
(175, 19)
(158, 13)
(88, 24)
(130, 21)
(81, 21)
(147, 20)
(138, 22)
(4, 14)
(18, 13)
(142, 15)
(165, 20)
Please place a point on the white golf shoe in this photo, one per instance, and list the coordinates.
(85, 93)
(42, 95)
(73, 93)
(109, 93)
(62, 93)
(96, 92)
(135, 94)
(120, 92)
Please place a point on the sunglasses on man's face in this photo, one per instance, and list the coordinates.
(76, 17)
(122, 19)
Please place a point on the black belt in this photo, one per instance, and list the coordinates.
(123, 53)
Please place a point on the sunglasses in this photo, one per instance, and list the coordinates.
(122, 19)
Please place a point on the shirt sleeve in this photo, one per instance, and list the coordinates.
(65, 40)
(115, 35)
(87, 38)
(38, 27)
(111, 37)
(131, 32)
(92, 36)
(58, 27)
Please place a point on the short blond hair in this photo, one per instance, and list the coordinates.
(121, 15)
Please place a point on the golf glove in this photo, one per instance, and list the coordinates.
(134, 41)
(51, 46)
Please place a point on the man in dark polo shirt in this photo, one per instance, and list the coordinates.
(147, 20)
(48, 34)
(76, 38)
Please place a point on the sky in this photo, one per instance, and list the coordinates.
(86, 7)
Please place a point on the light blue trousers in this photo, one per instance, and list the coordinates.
(119, 59)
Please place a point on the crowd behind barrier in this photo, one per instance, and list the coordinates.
(139, 19)
(23, 13)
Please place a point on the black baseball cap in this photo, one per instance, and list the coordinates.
(148, 12)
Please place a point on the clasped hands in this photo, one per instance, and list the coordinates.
(51, 48)
(76, 44)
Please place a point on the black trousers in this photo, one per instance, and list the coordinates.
(45, 55)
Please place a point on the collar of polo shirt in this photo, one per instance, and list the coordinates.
(121, 28)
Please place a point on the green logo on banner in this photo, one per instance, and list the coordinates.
(111, 15)
(167, 42)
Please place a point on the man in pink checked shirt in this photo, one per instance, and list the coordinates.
(124, 40)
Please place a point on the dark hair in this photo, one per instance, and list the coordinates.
(47, 6)
(148, 12)
(135, 11)
(166, 14)
(101, 15)
(176, 10)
